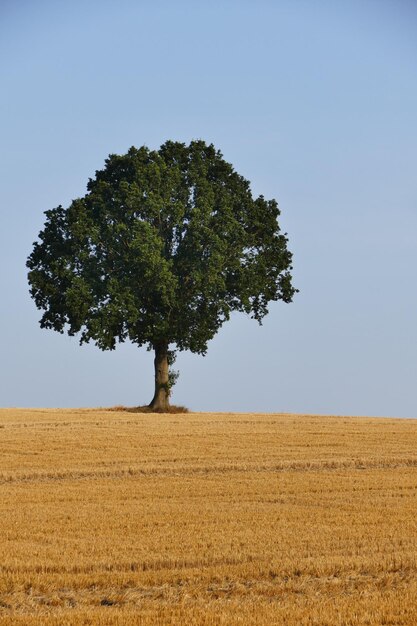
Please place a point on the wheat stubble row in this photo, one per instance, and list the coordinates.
(119, 518)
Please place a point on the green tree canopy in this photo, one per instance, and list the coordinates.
(160, 251)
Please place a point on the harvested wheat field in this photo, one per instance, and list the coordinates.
(117, 518)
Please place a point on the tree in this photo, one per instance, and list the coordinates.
(160, 251)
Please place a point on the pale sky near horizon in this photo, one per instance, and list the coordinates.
(314, 102)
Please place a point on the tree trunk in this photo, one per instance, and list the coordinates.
(160, 401)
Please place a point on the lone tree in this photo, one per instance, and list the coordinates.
(161, 249)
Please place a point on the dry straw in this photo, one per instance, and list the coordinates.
(119, 518)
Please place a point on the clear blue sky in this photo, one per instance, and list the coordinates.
(314, 102)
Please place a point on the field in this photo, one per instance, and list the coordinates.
(116, 518)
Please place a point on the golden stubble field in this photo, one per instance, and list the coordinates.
(116, 518)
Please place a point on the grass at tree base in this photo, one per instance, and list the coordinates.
(146, 409)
